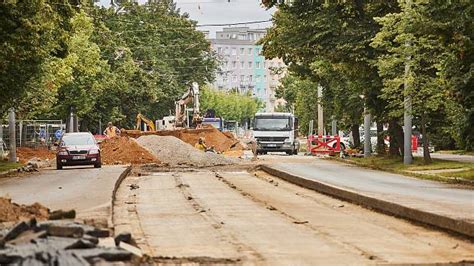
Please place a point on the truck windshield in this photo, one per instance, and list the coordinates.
(272, 124)
(216, 124)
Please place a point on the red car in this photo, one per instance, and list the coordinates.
(79, 148)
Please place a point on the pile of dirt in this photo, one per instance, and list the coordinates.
(12, 212)
(173, 151)
(26, 153)
(221, 141)
(124, 150)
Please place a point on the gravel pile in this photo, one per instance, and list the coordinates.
(174, 151)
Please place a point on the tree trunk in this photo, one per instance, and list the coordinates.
(426, 142)
(395, 132)
(356, 135)
(380, 140)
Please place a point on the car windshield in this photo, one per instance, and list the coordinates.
(80, 139)
(272, 123)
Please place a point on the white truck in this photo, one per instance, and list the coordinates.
(276, 132)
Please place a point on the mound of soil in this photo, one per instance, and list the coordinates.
(221, 141)
(26, 153)
(124, 150)
(12, 212)
(173, 151)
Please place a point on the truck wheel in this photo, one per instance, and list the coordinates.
(59, 166)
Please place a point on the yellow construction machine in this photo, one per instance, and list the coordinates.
(141, 118)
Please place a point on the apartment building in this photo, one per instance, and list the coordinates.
(243, 67)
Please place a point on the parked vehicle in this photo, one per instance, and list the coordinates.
(276, 132)
(216, 122)
(78, 148)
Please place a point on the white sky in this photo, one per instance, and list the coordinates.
(221, 12)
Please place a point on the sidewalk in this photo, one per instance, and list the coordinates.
(450, 157)
(428, 202)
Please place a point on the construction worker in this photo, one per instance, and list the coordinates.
(201, 145)
(111, 130)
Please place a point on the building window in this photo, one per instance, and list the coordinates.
(234, 51)
(242, 64)
(264, 64)
(242, 77)
(234, 78)
(250, 51)
(234, 64)
(242, 50)
(264, 77)
(257, 65)
(258, 79)
(257, 51)
(219, 50)
(250, 78)
(250, 64)
(226, 50)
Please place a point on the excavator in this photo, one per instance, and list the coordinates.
(192, 95)
(141, 118)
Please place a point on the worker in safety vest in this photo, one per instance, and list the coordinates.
(201, 145)
(111, 130)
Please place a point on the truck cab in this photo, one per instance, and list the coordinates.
(276, 132)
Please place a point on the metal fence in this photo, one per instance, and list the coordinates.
(33, 133)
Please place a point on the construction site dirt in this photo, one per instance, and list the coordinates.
(242, 216)
(220, 141)
(13, 212)
(125, 150)
(27, 153)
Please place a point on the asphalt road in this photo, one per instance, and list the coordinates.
(424, 194)
(86, 189)
(253, 218)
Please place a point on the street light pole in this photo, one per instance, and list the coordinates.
(407, 116)
(367, 142)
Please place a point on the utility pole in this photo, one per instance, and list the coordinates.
(407, 116)
(334, 126)
(367, 143)
(320, 111)
(71, 122)
(12, 139)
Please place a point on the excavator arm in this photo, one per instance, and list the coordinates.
(141, 118)
(192, 95)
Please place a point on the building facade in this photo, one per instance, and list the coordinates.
(243, 67)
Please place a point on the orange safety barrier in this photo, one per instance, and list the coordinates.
(324, 144)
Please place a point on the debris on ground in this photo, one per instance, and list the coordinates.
(12, 212)
(221, 141)
(174, 152)
(58, 243)
(125, 150)
(26, 154)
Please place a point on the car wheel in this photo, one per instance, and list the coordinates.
(98, 165)
(59, 166)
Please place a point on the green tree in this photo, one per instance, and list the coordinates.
(229, 105)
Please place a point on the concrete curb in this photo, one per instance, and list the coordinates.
(119, 181)
(462, 227)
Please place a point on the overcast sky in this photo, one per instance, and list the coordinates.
(222, 11)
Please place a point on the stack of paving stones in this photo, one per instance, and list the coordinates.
(58, 243)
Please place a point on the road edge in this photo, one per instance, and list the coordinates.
(461, 227)
(118, 182)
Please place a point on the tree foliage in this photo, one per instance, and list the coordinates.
(229, 105)
(355, 48)
(107, 64)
